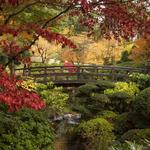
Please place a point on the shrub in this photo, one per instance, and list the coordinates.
(137, 135)
(16, 97)
(128, 121)
(89, 106)
(128, 145)
(86, 90)
(97, 87)
(143, 80)
(120, 102)
(55, 98)
(97, 133)
(98, 102)
(89, 98)
(124, 56)
(25, 130)
(123, 123)
(129, 88)
(28, 84)
(76, 106)
(103, 85)
(110, 116)
(141, 104)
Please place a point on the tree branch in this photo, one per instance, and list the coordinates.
(36, 37)
(18, 12)
(55, 17)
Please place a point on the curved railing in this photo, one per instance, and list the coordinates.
(78, 74)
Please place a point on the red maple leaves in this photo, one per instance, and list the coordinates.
(116, 18)
(10, 47)
(51, 36)
(16, 97)
(12, 2)
(6, 29)
(13, 96)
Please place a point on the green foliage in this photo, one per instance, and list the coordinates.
(90, 105)
(25, 130)
(98, 87)
(123, 123)
(120, 102)
(89, 98)
(97, 102)
(87, 89)
(36, 14)
(137, 135)
(128, 121)
(130, 88)
(124, 56)
(103, 85)
(97, 133)
(56, 99)
(142, 103)
(108, 115)
(3, 58)
(128, 145)
(143, 80)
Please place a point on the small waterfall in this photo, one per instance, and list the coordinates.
(62, 125)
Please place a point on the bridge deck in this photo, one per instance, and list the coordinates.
(77, 75)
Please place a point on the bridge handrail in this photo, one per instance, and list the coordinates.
(82, 74)
(84, 66)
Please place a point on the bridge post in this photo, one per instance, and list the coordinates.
(45, 74)
(78, 72)
(29, 71)
(113, 73)
(148, 67)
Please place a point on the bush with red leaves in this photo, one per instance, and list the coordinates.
(16, 97)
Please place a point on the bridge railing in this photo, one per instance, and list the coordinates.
(81, 73)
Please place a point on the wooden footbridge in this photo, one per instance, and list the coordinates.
(78, 75)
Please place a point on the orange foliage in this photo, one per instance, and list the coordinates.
(26, 36)
(72, 56)
(141, 51)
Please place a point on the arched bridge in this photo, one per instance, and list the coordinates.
(78, 75)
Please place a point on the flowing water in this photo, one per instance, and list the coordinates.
(63, 124)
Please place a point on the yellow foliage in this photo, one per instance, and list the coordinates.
(28, 85)
(26, 36)
(89, 51)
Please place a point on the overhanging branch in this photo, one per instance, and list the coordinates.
(18, 12)
(36, 37)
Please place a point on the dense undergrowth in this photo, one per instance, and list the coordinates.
(115, 116)
(123, 106)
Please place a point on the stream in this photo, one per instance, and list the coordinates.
(63, 123)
